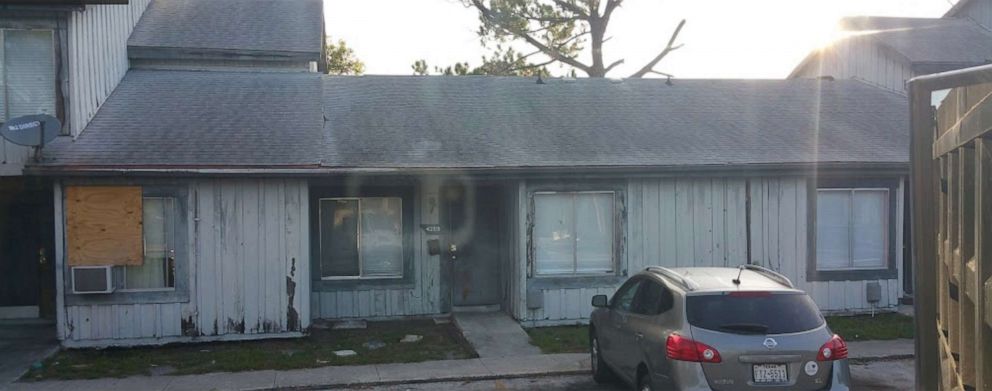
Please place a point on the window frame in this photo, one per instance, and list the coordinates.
(123, 279)
(4, 84)
(890, 269)
(406, 192)
(537, 282)
(179, 293)
(575, 255)
(358, 234)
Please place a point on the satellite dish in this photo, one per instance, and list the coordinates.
(31, 130)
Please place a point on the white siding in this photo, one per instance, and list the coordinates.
(248, 245)
(860, 58)
(423, 298)
(97, 56)
(679, 222)
(779, 241)
(670, 222)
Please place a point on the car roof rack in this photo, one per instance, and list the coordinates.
(774, 275)
(686, 282)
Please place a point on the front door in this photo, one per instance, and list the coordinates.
(472, 216)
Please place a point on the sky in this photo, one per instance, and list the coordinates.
(722, 38)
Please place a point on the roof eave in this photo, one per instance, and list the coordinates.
(862, 168)
(137, 52)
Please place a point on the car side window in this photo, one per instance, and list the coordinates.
(652, 299)
(624, 298)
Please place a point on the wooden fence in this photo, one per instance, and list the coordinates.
(952, 229)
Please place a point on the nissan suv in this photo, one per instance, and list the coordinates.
(701, 328)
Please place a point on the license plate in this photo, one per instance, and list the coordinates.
(770, 373)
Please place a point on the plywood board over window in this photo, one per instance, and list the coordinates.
(103, 225)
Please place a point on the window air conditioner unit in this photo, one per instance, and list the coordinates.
(92, 279)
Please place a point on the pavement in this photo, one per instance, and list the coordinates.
(861, 351)
(494, 334)
(880, 364)
(22, 343)
(892, 375)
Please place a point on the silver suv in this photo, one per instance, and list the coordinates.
(715, 329)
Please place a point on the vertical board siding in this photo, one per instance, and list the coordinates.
(97, 54)
(249, 255)
(423, 298)
(859, 57)
(779, 241)
(671, 222)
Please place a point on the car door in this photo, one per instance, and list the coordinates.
(649, 324)
(614, 342)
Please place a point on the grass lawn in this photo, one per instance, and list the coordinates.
(440, 342)
(866, 327)
(560, 339)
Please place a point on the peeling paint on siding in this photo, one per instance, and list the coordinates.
(292, 317)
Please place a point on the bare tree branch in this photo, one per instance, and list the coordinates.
(611, 66)
(668, 49)
(490, 16)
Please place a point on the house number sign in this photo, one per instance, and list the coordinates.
(431, 228)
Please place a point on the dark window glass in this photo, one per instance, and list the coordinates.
(754, 314)
(652, 299)
(339, 237)
(624, 298)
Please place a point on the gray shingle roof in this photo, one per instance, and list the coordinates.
(187, 119)
(405, 121)
(245, 25)
(928, 40)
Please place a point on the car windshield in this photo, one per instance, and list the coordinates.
(754, 314)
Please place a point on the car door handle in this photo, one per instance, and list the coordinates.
(639, 336)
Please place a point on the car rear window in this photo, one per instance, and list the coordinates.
(759, 313)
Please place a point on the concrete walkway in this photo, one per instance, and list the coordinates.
(23, 342)
(494, 334)
(880, 350)
(365, 375)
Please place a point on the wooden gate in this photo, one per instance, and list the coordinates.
(952, 228)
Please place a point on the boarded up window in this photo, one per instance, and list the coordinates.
(103, 225)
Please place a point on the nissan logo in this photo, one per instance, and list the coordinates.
(770, 343)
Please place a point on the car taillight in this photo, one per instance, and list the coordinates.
(685, 349)
(834, 349)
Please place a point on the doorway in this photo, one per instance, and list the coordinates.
(473, 226)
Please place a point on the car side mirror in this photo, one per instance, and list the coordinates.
(599, 301)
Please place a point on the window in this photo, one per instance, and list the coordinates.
(749, 314)
(652, 299)
(573, 233)
(27, 73)
(141, 232)
(852, 228)
(623, 300)
(158, 270)
(361, 237)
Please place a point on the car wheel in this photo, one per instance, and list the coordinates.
(644, 382)
(600, 373)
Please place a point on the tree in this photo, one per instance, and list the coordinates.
(341, 59)
(557, 29)
(502, 63)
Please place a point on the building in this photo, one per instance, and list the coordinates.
(62, 61)
(226, 191)
(888, 51)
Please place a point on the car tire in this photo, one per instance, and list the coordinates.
(600, 372)
(644, 382)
